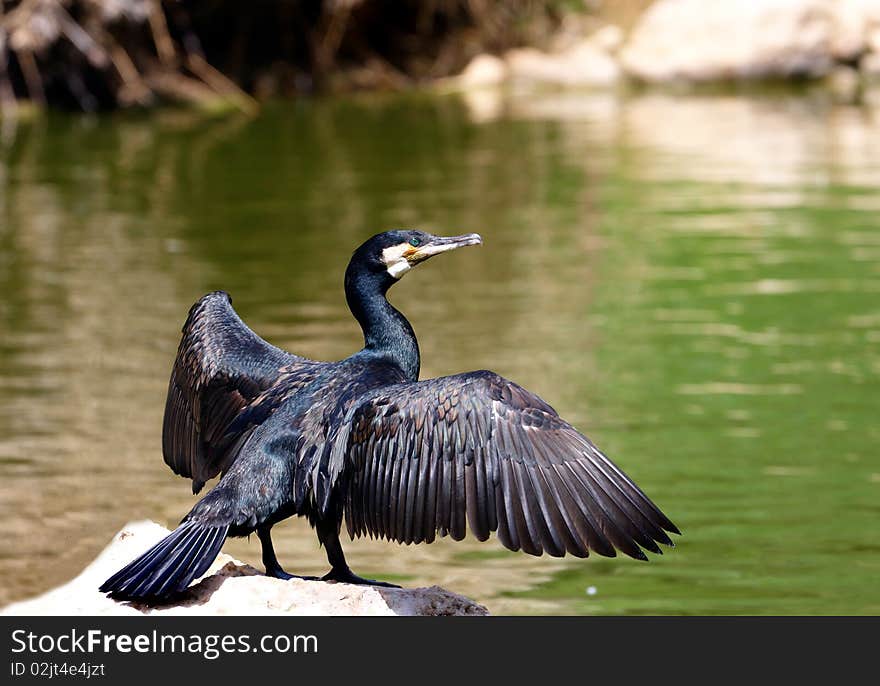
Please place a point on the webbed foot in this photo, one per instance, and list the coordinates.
(281, 574)
(346, 576)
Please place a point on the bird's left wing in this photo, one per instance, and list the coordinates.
(425, 458)
(221, 383)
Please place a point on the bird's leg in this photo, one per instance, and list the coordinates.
(270, 562)
(328, 534)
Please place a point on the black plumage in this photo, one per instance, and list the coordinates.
(363, 440)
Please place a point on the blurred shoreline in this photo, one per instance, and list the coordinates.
(95, 55)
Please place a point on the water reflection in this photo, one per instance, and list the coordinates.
(690, 280)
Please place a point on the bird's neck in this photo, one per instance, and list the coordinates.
(387, 333)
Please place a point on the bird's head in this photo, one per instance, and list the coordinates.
(396, 252)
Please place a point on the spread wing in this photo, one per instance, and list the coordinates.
(222, 367)
(429, 456)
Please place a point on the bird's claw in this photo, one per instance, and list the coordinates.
(285, 576)
(346, 576)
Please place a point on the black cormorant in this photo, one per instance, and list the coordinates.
(362, 439)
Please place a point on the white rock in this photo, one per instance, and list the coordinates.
(870, 66)
(591, 64)
(874, 39)
(854, 22)
(581, 65)
(483, 71)
(609, 38)
(231, 587)
(702, 40)
(848, 38)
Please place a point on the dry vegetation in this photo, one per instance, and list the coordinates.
(99, 54)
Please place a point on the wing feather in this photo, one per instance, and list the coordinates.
(422, 498)
(412, 485)
(475, 451)
(222, 368)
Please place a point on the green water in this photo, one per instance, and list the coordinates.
(693, 282)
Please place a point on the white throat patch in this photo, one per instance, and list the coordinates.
(395, 260)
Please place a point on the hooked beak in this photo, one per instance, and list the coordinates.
(441, 244)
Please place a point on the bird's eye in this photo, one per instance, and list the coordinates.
(415, 242)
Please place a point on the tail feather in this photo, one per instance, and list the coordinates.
(158, 578)
(170, 565)
(179, 563)
(139, 564)
(192, 563)
(204, 562)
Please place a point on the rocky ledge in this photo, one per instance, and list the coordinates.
(231, 587)
(703, 42)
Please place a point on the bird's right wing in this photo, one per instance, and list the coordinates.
(221, 368)
(426, 457)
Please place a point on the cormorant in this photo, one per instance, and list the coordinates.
(363, 439)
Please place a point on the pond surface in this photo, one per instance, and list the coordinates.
(693, 282)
